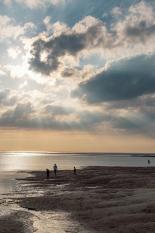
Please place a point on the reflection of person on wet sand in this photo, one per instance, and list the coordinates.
(55, 168)
(74, 170)
(47, 173)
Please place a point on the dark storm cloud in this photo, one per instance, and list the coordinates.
(65, 44)
(126, 79)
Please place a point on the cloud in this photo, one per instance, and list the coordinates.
(133, 123)
(58, 110)
(14, 52)
(140, 30)
(7, 2)
(111, 41)
(35, 3)
(31, 3)
(116, 11)
(2, 72)
(47, 23)
(31, 110)
(137, 25)
(6, 98)
(68, 72)
(78, 38)
(107, 64)
(24, 115)
(9, 28)
(123, 80)
(15, 117)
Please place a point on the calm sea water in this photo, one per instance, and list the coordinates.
(14, 161)
(24, 161)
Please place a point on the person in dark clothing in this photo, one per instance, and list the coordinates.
(74, 170)
(55, 168)
(148, 162)
(47, 173)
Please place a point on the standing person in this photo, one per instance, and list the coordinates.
(47, 173)
(148, 162)
(55, 168)
(74, 170)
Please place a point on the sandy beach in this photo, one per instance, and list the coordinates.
(97, 199)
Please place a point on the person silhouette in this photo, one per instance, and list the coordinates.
(55, 168)
(74, 170)
(148, 161)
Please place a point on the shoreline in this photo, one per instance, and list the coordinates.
(97, 199)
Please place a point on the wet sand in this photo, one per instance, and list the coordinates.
(97, 199)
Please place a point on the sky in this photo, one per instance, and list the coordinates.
(77, 76)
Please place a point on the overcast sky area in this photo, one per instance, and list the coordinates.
(79, 72)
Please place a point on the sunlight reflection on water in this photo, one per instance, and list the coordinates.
(56, 222)
(24, 161)
(8, 181)
(40, 161)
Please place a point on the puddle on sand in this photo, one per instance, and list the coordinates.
(43, 221)
(9, 183)
(56, 222)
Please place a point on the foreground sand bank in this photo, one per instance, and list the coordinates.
(99, 199)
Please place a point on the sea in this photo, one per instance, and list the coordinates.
(11, 163)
